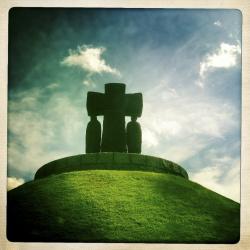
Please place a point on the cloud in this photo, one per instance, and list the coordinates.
(200, 83)
(41, 131)
(87, 82)
(179, 126)
(14, 182)
(222, 175)
(53, 85)
(89, 59)
(218, 23)
(224, 57)
(150, 138)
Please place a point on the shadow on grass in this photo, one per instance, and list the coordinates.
(34, 214)
(199, 215)
(120, 206)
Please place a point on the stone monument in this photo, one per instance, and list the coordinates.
(133, 133)
(114, 105)
(93, 135)
(115, 145)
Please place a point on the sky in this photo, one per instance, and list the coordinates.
(186, 63)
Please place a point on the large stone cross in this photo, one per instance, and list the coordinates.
(114, 105)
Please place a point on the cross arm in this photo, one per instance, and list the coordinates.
(95, 103)
(133, 104)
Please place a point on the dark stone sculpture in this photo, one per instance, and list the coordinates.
(134, 136)
(113, 136)
(114, 105)
(93, 136)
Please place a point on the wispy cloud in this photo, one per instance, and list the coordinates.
(53, 85)
(218, 23)
(183, 124)
(89, 59)
(222, 175)
(37, 136)
(224, 57)
(14, 182)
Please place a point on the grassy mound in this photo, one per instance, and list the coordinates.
(120, 206)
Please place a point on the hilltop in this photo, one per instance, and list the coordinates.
(120, 206)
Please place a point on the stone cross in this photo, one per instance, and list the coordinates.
(114, 105)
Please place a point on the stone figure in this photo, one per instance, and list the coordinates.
(93, 136)
(114, 105)
(134, 135)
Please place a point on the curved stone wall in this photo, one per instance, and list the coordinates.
(110, 161)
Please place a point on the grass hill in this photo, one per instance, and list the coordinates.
(120, 206)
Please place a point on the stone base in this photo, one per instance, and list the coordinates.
(110, 161)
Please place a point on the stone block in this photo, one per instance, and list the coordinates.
(153, 162)
(105, 158)
(89, 159)
(121, 159)
(137, 159)
(75, 161)
(176, 169)
(60, 163)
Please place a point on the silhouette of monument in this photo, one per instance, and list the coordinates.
(133, 133)
(114, 105)
(93, 135)
(114, 146)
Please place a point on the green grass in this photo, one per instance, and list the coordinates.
(120, 206)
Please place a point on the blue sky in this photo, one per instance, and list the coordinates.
(187, 64)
